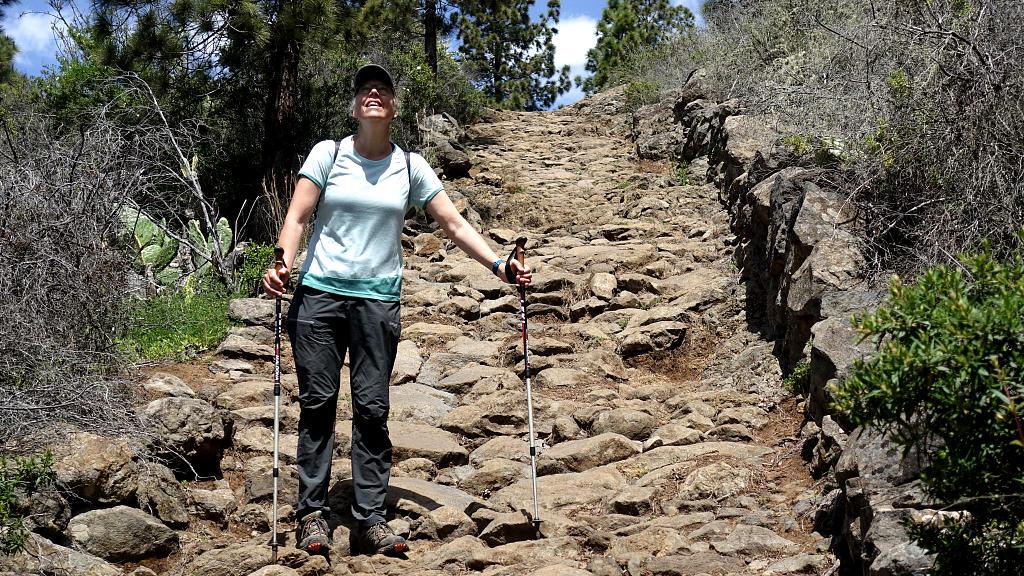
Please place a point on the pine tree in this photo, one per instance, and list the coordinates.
(225, 57)
(7, 48)
(426, 19)
(626, 25)
(513, 57)
(292, 20)
(267, 78)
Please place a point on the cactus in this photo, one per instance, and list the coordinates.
(155, 248)
(204, 246)
(161, 250)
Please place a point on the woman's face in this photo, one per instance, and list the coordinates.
(375, 100)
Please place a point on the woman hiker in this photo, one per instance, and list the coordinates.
(348, 300)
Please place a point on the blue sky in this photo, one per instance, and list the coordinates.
(577, 33)
(32, 31)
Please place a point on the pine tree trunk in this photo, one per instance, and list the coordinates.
(279, 147)
(430, 34)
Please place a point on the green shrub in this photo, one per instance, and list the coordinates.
(989, 547)
(178, 325)
(640, 93)
(796, 381)
(683, 172)
(249, 275)
(949, 380)
(421, 94)
(20, 474)
(797, 144)
(948, 156)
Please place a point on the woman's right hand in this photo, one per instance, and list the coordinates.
(274, 280)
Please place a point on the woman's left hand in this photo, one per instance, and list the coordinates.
(521, 273)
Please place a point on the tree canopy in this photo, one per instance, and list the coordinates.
(269, 78)
(627, 26)
(512, 56)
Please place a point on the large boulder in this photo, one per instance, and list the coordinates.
(161, 495)
(453, 162)
(500, 413)
(186, 429)
(232, 561)
(631, 423)
(122, 534)
(835, 263)
(162, 384)
(656, 137)
(443, 125)
(835, 345)
(665, 335)
(42, 556)
(44, 510)
(447, 523)
(407, 363)
(420, 404)
(256, 311)
(97, 469)
(548, 550)
(431, 495)
(213, 505)
(579, 455)
(509, 527)
(411, 440)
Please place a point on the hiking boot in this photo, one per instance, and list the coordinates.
(314, 536)
(382, 540)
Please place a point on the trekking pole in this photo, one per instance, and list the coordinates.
(281, 269)
(520, 255)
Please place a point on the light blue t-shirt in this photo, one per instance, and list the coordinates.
(356, 246)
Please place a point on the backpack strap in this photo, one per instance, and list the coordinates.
(408, 169)
(312, 219)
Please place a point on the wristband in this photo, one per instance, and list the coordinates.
(494, 267)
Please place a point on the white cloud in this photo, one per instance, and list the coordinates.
(694, 6)
(576, 35)
(33, 35)
(569, 97)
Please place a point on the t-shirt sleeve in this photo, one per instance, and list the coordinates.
(317, 166)
(425, 184)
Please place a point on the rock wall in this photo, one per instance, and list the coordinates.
(799, 253)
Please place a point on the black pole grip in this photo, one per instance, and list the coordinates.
(279, 265)
(519, 254)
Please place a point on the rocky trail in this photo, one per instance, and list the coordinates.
(668, 443)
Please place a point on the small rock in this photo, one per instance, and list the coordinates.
(447, 523)
(579, 455)
(510, 527)
(161, 384)
(231, 365)
(634, 501)
(603, 285)
(730, 433)
(633, 424)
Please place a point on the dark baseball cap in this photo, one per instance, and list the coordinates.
(372, 72)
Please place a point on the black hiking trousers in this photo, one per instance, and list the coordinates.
(322, 326)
